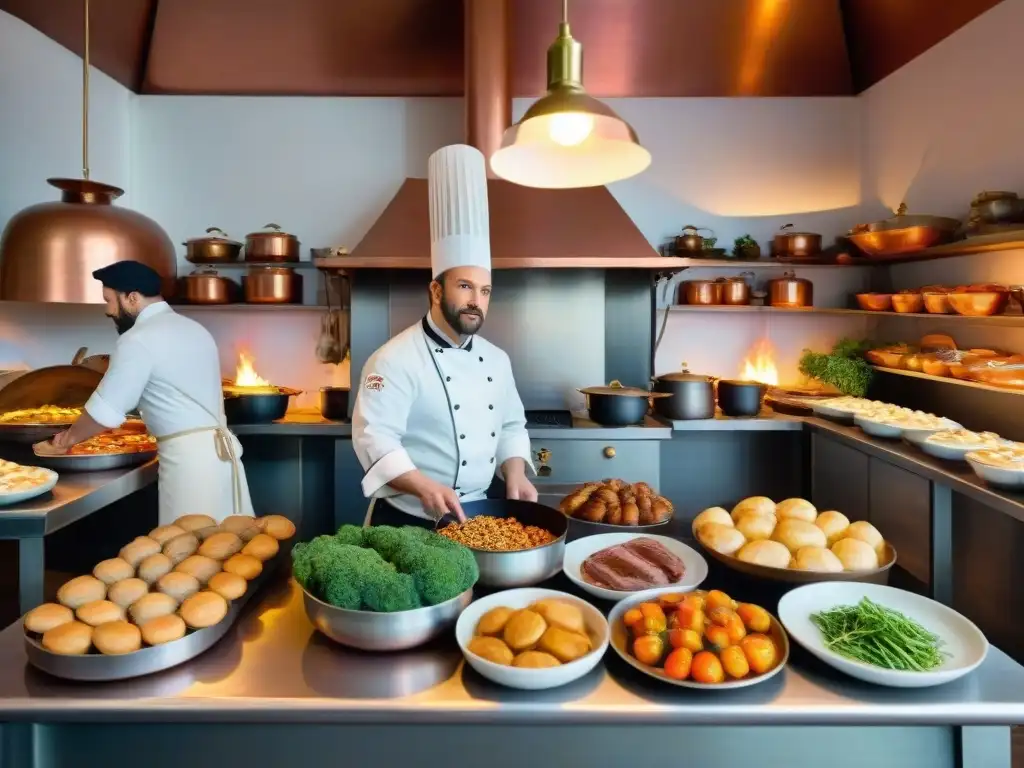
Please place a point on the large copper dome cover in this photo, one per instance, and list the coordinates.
(48, 251)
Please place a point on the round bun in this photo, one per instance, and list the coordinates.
(755, 527)
(178, 585)
(711, 515)
(246, 566)
(45, 617)
(278, 526)
(71, 639)
(81, 590)
(199, 566)
(230, 586)
(764, 552)
(833, 524)
(165, 533)
(758, 505)
(99, 612)
(867, 533)
(117, 637)
(855, 555)
(721, 538)
(163, 629)
(204, 533)
(138, 550)
(194, 522)
(221, 546)
(155, 566)
(126, 592)
(181, 547)
(796, 534)
(817, 559)
(262, 547)
(237, 524)
(152, 605)
(203, 609)
(797, 509)
(113, 570)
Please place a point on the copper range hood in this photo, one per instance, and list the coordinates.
(545, 228)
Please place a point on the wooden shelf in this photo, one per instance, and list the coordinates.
(241, 307)
(654, 263)
(949, 380)
(246, 264)
(1004, 320)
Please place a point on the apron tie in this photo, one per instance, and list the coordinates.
(224, 447)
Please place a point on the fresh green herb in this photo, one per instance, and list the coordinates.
(876, 635)
(843, 368)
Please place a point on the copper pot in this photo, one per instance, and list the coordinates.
(216, 248)
(691, 241)
(701, 292)
(272, 244)
(790, 291)
(795, 245)
(272, 285)
(736, 290)
(205, 286)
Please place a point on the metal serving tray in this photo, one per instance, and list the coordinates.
(94, 462)
(30, 433)
(95, 667)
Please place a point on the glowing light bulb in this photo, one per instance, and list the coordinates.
(570, 128)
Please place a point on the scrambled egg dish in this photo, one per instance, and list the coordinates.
(44, 414)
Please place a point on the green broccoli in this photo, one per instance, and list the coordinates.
(439, 574)
(304, 555)
(460, 557)
(386, 540)
(350, 534)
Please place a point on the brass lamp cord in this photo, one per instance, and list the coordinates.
(85, 98)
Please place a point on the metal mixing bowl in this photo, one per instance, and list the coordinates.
(398, 631)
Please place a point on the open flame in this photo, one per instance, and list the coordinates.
(759, 364)
(245, 373)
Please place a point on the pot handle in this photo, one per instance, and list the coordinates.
(784, 227)
(219, 231)
(79, 355)
(615, 384)
(273, 227)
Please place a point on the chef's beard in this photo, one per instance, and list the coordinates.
(464, 320)
(124, 319)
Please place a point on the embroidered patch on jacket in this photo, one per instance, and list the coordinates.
(374, 382)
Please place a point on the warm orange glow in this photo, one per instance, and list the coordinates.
(759, 364)
(764, 27)
(245, 373)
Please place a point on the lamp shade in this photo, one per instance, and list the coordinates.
(49, 251)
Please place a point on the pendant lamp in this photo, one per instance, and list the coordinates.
(568, 139)
(48, 251)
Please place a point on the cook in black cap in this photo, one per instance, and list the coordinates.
(128, 288)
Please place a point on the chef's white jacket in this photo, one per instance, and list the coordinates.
(452, 412)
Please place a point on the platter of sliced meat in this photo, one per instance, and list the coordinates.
(614, 566)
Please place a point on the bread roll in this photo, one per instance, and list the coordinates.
(126, 592)
(490, 649)
(113, 570)
(181, 547)
(154, 567)
(116, 637)
(796, 534)
(71, 639)
(81, 590)
(194, 522)
(493, 622)
(199, 566)
(278, 526)
(203, 609)
(561, 613)
(138, 550)
(867, 533)
(152, 605)
(523, 630)
(220, 546)
(163, 629)
(833, 524)
(855, 555)
(564, 645)
(165, 533)
(755, 527)
(236, 524)
(764, 552)
(250, 533)
(711, 515)
(721, 538)
(798, 509)
(230, 586)
(262, 547)
(99, 612)
(759, 505)
(204, 533)
(817, 559)
(178, 585)
(535, 660)
(45, 617)
(246, 566)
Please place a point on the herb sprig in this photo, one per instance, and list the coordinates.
(843, 368)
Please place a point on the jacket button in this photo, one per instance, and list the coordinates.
(438, 350)
(455, 407)
(463, 462)
(490, 407)
(492, 434)
(462, 437)
(492, 459)
(489, 378)
(481, 359)
(456, 487)
(447, 378)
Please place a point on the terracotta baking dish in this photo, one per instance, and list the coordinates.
(937, 303)
(875, 302)
(979, 303)
(908, 302)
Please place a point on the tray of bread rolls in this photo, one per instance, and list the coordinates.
(614, 505)
(163, 600)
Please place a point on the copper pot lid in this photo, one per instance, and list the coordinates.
(617, 388)
(684, 375)
(270, 232)
(742, 383)
(204, 272)
(213, 235)
(903, 220)
(789, 277)
(271, 271)
(786, 231)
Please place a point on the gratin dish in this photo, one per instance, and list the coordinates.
(824, 410)
(16, 497)
(1009, 479)
(94, 462)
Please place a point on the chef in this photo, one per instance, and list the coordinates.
(167, 366)
(437, 414)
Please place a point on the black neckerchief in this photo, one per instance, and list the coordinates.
(440, 340)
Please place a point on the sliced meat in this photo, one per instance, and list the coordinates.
(602, 575)
(655, 552)
(626, 565)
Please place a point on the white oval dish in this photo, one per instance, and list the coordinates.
(578, 551)
(1007, 478)
(523, 678)
(919, 436)
(878, 429)
(963, 641)
(16, 497)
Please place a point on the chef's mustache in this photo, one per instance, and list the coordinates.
(471, 311)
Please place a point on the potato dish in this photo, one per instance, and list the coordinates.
(44, 414)
(898, 416)
(616, 502)
(705, 637)
(15, 478)
(1007, 457)
(851, 405)
(964, 438)
(791, 535)
(177, 578)
(548, 633)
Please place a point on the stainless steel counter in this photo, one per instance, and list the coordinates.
(768, 421)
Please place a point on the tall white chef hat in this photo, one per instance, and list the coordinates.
(459, 224)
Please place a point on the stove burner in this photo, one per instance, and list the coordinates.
(548, 419)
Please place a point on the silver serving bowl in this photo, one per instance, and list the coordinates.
(398, 631)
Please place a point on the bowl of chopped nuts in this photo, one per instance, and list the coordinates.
(516, 543)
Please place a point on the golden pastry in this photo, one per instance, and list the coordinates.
(117, 637)
(754, 527)
(564, 645)
(99, 612)
(796, 534)
(113, 570)
(138, 550)
(278, 526)
(262, 547)
(199, 566)
(236, 524)
(493, 622)
(178, 585)
(833, 524)
(721, 538)
(491, 649)
(181, 547)
(163, 629)
(711, 515)
(535, 660)
(150, 606)
(165, 533)
(246, 566)
(220, 546)
(867, 533)
(194, 522)
(81, 590)
(764, 552)
(523, 629)
(230, 586)
(45, 617)
(126, 592)
(203, 609)
(154, 567)
(855, 555)
(760, 505)
(817, 559)
(204, 533)
(561, 613)
(800, 509)
(71, 639)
